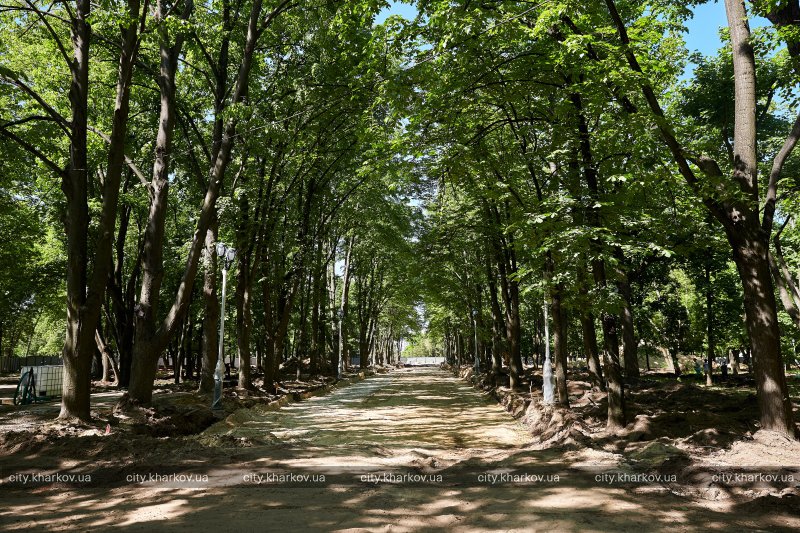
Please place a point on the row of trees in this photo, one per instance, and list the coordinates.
(560, 160)
(263, 125)
(570, 167)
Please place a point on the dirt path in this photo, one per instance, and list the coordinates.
(409, 451)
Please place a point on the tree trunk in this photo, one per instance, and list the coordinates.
(615, 385)
(150, 339)
(84, 300)
(301, 332)
(317, 329)
(210, 311)
(629, 348)
(141, 388)
(269, 328)
(750, 256)
(179, 355)
(122, 296)
(671, 357)
(734, 359)
(109, 365)
(589, 333)
(787, 289)
(709, 325)
(244, 317)
(459, 349)
(335, 352)
(497, 322)
(244, 323)
(285, 306)
(480, 349)
(514, 334)
(560, 344)
(343, 306)
(188, 351)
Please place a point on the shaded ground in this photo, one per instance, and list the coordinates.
(697, 419)
(431, 444)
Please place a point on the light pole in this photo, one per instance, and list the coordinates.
(227, 255)
(475, 327)
(340, 370)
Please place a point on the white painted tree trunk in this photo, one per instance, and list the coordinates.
(548, 388)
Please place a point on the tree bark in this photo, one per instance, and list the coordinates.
(750, 256)
(560, 343)
(84, 296)
(750, 240)
(149, 340)
(497, 322)
(787, 289)
(514, 334)
(269, 329)
(343, 305)
(109, 365)
(589, 332)
(709, 325)
(317, 327)
(244, 324)
(210, 310)
(615, 385)
(244, 316)
(629, 347)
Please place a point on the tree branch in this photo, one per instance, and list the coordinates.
(774, 174)
(13, 79)
(128, 160)
(675, 147)
(32, 149)
(50, 30)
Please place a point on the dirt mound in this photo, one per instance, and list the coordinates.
(765, 449)
(170, 415)
(70, 442)
(234, 432)
(658, 455)
(771, 503)
(592, 457)
(21, 441)
(236, 438)
(514, 403)
(711, 438)
(553, 425)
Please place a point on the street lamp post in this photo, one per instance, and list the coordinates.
(227, 255)
(475, 327)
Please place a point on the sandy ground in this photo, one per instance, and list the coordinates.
(8, 385)
(413, 450)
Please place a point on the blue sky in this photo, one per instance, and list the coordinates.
(703, 34)
(396, 8)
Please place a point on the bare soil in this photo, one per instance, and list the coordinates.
(411, 450)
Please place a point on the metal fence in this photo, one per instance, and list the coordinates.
(9, 365)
